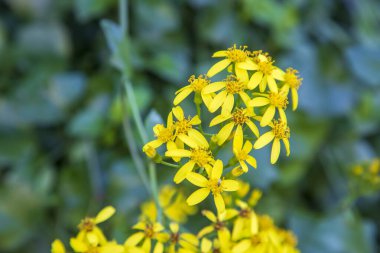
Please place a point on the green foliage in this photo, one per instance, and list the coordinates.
(62, 149)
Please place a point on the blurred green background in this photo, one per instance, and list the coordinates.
(62, 148)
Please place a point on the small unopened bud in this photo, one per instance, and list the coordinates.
(149, 151)
(236, 172)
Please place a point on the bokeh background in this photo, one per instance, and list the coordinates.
(62, 149)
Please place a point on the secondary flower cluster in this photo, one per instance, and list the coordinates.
(366, 177)
(253, 93)
(238, 230)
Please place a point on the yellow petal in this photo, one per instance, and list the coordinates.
(188, 140)
(217, 67)
(264, 140)
(199, 138)
(78, 245)
(241, 74)
(242, 246)
(105, 214)
(282, 115)
(222, 53)
(252, 161)
(248, 65)
(178, 153)
(238, 139)
(294, 98)
(228, 105)
(219, 203)
(218, 101)
(268, 116)
(246, 99)
(255, 80)
(217, 170)
(111, 248)
(230, 185)
(182, 95)
(213, 87)
(206, 230)
(159, 248)
(197, 196)
(253, 128)
(209, 215)
(287, 146)
(173, 146)
(254, 223)
(247, 147)
(272, 84)
(219, 119)
(174, 227)
(275, 151)
(197, 179)
(195, 120)
(178, 113)
(183, 172)
(259, 101)
(224, 133)
(92, 238)
(237, 229)
(147, 245)
(57, 247)
(278, 74)
(263, 84)
(243, 166)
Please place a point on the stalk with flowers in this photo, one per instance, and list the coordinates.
(247, 96)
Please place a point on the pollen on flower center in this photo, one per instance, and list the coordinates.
(174, 238)
(255, 240)
(266, 66)
(219, 225)
(215, 186)
(183, 126)
(281, 130)
(235, 54)
(149, 231)
(242, 155)
(201, 156)
(245, 213)
(234, 85)
(240, 116)
(292, 79)
(165, 134)
(87, 224)
(197, 84)
(278, 100)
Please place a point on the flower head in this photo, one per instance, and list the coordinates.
(196, 85)
(292, 81)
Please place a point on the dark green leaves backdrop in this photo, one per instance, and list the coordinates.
(62, 149)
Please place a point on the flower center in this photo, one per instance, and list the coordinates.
(242, 155)
(281, 130)
(183, 126)
(278, 100)
(197, 84)
(218, 225)
(245, 213)
(87, 224)
(235, 54)
(92, 250)
(266, 66)
(234, 85)
(165, 134)
(201, 156)
(174, 238)
(149, 231)
(292, 79)
(240, 116)
(255, 240)
(215, 186)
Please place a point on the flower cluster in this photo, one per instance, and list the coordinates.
(238, 230)
(253, 93)
(366, 177)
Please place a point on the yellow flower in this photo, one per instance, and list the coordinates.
(275, 100)
(57, 247)
(196, 85)
(219, 226)
(89, 232)
(292, 81)
(255, 197)
(149, 231)
(238, 56)
(239, 118)
(215, 185)
(280, 131)
(266, 73)
(245, 223)
(225, 99)
(182, 242)
(198, 155)
(242, 152)
(82, 247)
(174, 205)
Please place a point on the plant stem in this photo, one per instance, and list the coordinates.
(169, 164)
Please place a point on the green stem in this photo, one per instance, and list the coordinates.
(169, 164)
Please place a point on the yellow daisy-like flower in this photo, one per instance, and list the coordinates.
(245, 223)
(219, 226)
(225, 99)
(109, 247)
(233, 55)
(199, 155)
(239, 118)
(266, 73)
(292, 81)
(57, 247)
(181, 242)
(274, 100)
(90, 232)
(196, 85)
(149, 231)
(280, 131)
(215, 185)
(242, 152)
